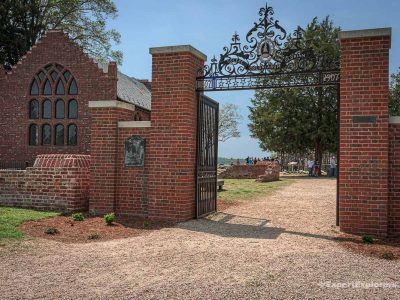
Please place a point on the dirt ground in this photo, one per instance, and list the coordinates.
(89, 230)
(280, 247)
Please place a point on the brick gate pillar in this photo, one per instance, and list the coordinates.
(364, 142)
(172, 147)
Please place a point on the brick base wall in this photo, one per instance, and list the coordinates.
(56, 182)
(248, 172)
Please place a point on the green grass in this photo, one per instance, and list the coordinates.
(10, 218)
(237, 190)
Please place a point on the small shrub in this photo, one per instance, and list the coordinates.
(51, 230)
(94, 236)
(146, 224)
(109, 218)
(388, 255)
(367, 239)
(78, 217)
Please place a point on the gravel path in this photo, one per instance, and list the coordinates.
(279, 247)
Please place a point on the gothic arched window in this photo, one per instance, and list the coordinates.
(59, 135)
(34, 88)
(47, 90)
(60, 88)
(33, 135)
(57, 84)
(72, 109)
(46, 134)
(34, 109)
(46, 109)
(72, 135)
(60, 109)
(73, 88)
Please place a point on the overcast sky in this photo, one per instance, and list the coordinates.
(209, 24)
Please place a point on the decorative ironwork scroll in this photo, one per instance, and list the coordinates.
(270, 58)
(134, 151)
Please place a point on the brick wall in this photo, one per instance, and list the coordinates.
(132, 182)
(56, 182)
(93, 84)
(364, 146)
(104, 139)
(172, 145)
(142, 114)
(394, 180)
(249, 172)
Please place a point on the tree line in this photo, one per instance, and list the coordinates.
(23, 22)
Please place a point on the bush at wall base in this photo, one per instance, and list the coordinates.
(109, 218)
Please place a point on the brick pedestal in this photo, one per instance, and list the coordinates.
(364, 143)
(171, 185)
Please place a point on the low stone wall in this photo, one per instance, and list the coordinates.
(56, 182)
(251, 172)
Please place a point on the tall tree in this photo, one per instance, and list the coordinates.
(229, 118)
(394, 94)
(299, 120)
(22, 22)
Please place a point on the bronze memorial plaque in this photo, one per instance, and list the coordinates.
(134, 151)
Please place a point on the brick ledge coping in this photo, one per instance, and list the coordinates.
(178, 48)
(387, 31)
(394, 120)
(134, 124)
(111, 104)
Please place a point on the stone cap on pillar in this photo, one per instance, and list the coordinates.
(354, 34)
(176, 49)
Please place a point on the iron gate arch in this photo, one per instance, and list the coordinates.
(270, 58)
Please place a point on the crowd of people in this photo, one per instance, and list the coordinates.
(255, 160)
(252, 160)
(314, 167)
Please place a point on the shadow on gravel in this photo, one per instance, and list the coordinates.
(228, 225)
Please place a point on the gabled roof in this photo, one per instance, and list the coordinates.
(130, 90)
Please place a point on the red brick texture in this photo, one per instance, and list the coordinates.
(56, 182)
(132, 182)
(104, 146)
(93, 84)
(172, 146)
(369, 188)
(394, 180)
(364, 148)
(250, 172)
(165, 187)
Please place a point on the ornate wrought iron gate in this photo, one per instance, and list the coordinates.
(207, 155)
(268, 58)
